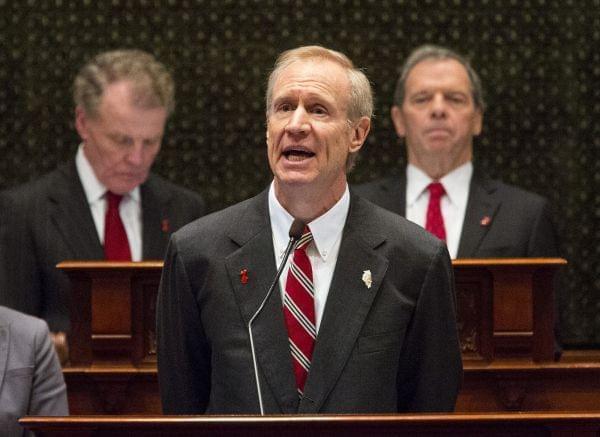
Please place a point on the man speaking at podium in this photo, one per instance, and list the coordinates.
(362, 317)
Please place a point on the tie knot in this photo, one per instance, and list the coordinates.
(113, 199)
(436, 190)
(305, 240)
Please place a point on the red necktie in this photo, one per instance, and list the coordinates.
(435, 221)
(299, 310)
(116, 245)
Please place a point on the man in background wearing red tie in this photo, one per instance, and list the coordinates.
(362, 319)
(105, 203)
(438, 109)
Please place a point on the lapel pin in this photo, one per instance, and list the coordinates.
(244, 276)
(366, 278)
(485, 221)
(165, 225)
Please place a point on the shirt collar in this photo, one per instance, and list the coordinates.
(454, 183)
(93, 188)
(326, 229)
(416, 183)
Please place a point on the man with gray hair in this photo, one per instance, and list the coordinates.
(105, 203)
(360, 319)
(438, 110)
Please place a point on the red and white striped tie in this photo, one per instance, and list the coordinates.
(299, 310)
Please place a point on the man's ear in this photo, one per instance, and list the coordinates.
(359, 134)
(81, 122)
(477, 122)
(398, 120)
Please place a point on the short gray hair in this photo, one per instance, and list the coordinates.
(153, 85)
(360, 103)
(427, 52)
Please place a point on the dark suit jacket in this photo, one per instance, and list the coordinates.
(519, 222)
(48, 221)
(31, 380)
(392, 347)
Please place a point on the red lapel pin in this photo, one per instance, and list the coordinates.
(244, 276)
(485, 221)
(165, 225)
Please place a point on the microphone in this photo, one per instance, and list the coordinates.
(295, 234)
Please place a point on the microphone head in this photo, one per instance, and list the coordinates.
(297, 229)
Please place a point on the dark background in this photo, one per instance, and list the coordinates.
(539, 62)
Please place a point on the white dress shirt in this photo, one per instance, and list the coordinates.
(453, 204)
(130, 207)
(323, 252)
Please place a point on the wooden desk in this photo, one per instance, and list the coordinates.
(505, 310)
(540, 424)
(571, 384)
(113, 313)
(506, 307)
(505, 315)
(504, 385)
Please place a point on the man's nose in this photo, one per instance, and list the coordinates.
(135, 154)
(438, 106)
(298, 122)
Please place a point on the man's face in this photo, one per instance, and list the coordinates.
(438, 117)
(308, 133)
(121, 140)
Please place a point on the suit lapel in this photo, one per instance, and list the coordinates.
(70, 213)
(348, 303)
(481, 208)
(256, 256)
(155, 223)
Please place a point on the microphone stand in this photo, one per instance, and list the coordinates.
(295, 234)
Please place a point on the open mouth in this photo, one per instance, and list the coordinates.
(438, 131)
(297, 154)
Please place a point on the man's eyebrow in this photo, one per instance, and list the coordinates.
(419, 93)
(309, 96)
(282, 97)
(117, 134)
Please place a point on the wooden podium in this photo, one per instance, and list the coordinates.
(541, 424)
(112, 344)
(505, 316)
(505, 309)
(113, 312)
